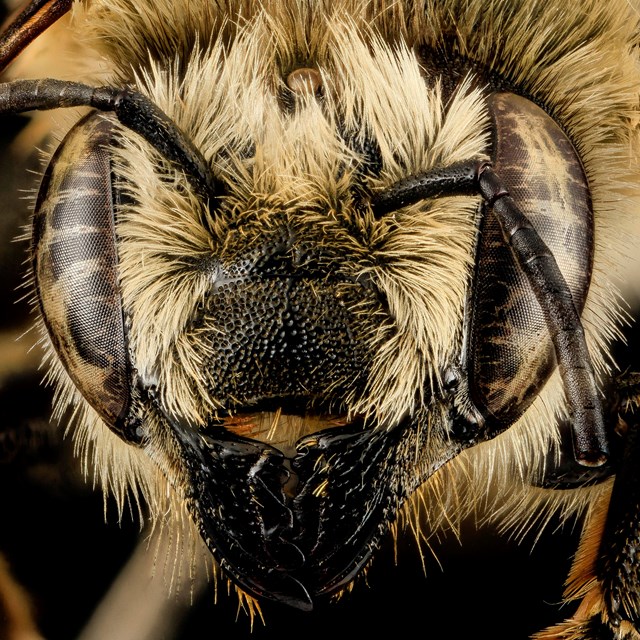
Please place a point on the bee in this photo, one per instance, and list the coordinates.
(306, 272)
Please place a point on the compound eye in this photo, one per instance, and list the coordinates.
(510, 352)
(75, 265)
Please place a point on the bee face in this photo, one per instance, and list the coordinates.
(292, 359)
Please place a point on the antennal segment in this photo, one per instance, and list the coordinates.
(37, 17)
(134, 110)
(539, 265)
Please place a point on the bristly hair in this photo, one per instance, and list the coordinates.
(218, 69)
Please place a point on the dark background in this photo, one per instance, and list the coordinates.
(54, 535)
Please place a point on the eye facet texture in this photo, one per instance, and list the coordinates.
(75, 269)
(510, 352)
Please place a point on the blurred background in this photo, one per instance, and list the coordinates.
(71, 555)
